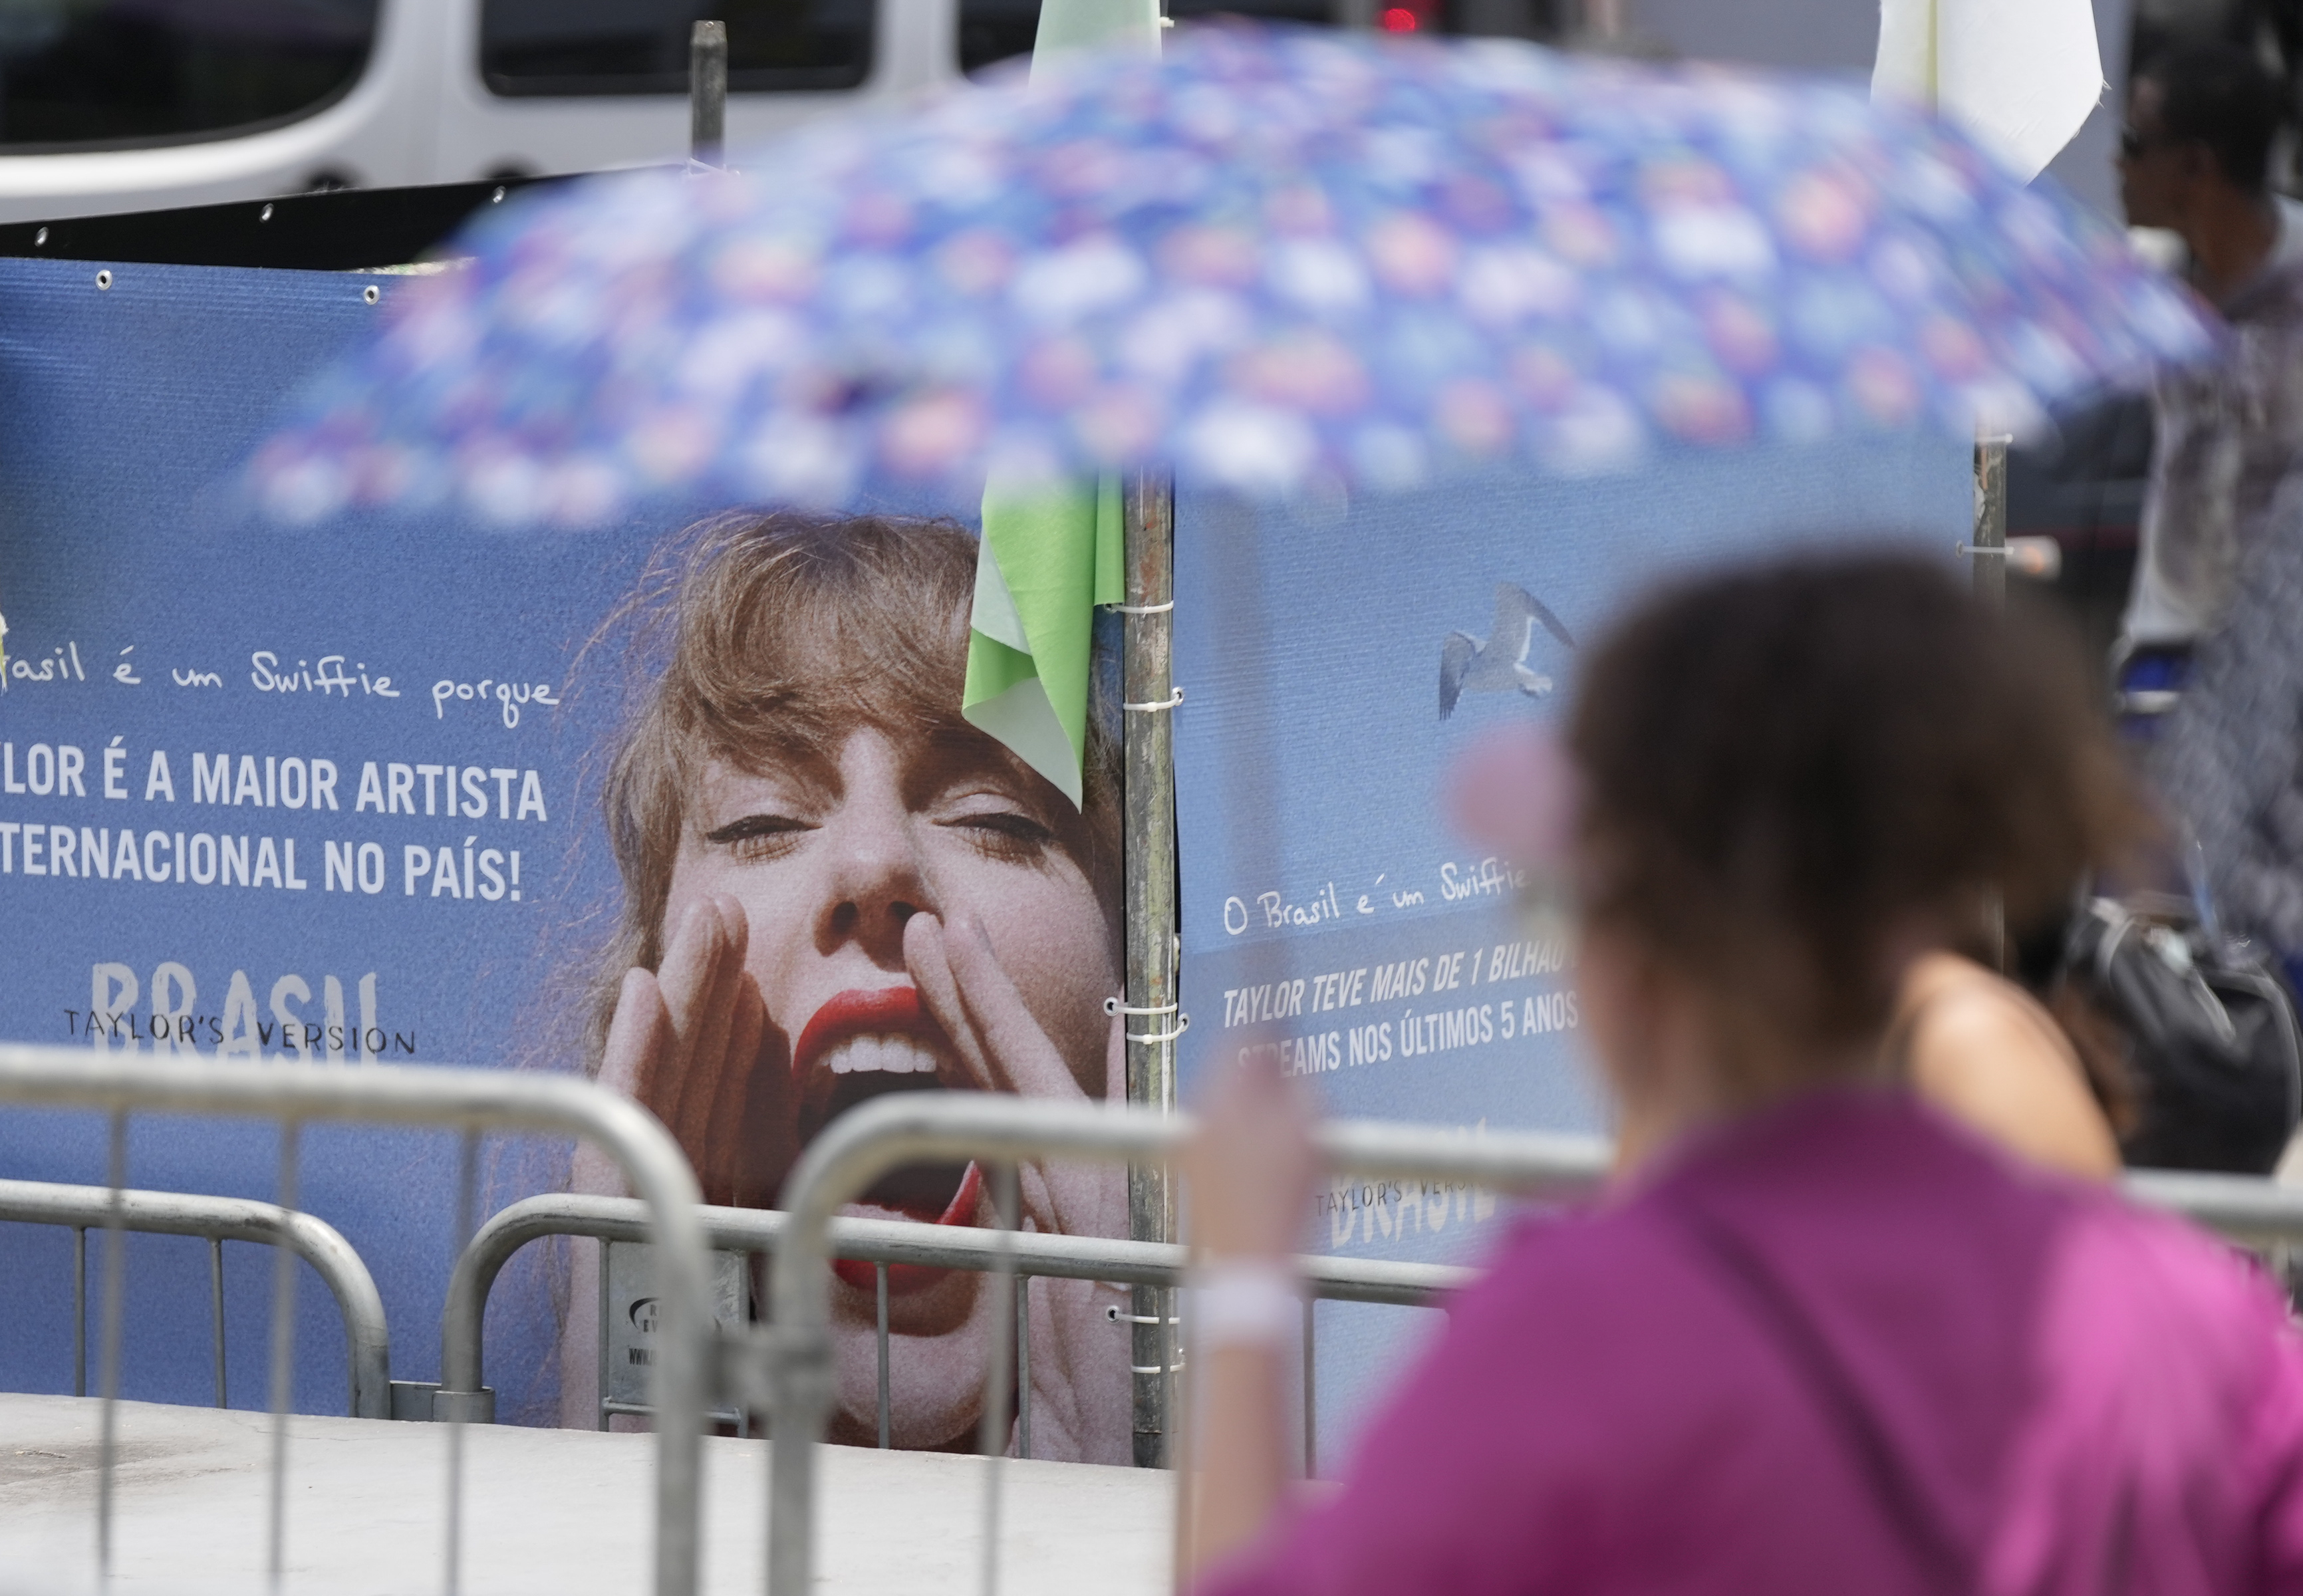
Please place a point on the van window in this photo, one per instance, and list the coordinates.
(992, 30)
(91, 74)
(640, 46)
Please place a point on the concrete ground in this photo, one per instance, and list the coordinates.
(556, 1512)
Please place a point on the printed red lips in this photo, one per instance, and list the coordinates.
(865, 1042)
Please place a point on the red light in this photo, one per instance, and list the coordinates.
(1399, 19)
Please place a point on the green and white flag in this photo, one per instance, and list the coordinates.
(1051, 556)
(1050, 553)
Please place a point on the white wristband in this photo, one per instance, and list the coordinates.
(1244, 1302)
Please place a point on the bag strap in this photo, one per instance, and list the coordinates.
(1936, 1552)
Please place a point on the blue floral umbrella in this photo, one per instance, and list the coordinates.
(1273, 261)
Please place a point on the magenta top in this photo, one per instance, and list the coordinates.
(1838, 1347)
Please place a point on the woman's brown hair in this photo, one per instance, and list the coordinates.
(777, 635)
(1789, 767)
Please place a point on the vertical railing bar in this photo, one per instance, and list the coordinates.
(466, 1181)
(991, 1430)
(284, 1359)
(1171, 1358)
(216, 1326)
(115, 1281)
(880, 1272)
(1311, 1390)
(606, 1422)
(1023, 1366)
(79, 1310)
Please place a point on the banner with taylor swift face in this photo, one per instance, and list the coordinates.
(685, 803)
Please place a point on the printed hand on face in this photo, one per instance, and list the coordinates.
(1081, 1352)
(693, 1044)
(1003, 1048)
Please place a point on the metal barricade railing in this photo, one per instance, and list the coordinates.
(472, 1100)
(881, 1135)
(898, 1242)
(367, 1343)
(887, 1132)
(788, 1363)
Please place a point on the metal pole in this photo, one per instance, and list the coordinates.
(1989, 551)
(1023, 1364)
(1990, 541)
(1310, 1387)
(880, 1276)
(115, 1283)
(80, 1310)
(467, 1189)
(1147, 634)
(707, 93)
(283, 1364)
(216, 1297)
(991, 1430)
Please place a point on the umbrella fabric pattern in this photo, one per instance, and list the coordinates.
(1274, 261)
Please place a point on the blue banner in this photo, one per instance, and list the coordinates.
(339, 796)
(1336, 656)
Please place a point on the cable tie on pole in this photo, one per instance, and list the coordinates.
(1158, 707)
(1182, 1024)
(1983, 551)
(1114, 1006)
(1140, 609)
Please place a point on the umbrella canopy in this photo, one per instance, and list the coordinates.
(1272, 261)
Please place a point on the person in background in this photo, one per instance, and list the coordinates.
(1816, 1337)
(2194, 159)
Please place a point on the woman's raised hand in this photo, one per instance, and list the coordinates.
(1252, 1168)
(688, 1043)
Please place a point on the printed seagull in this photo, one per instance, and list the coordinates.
(1499, 664)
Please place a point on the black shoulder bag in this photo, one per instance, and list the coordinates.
(2208, 1028)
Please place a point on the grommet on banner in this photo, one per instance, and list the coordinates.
(41, 238)
(104, 279)
(266, 213)
(371, 293)
(1153, 709)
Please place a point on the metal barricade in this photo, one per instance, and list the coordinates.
(472, 1100)
(367, 1342)
(879, 1135)
(886, 1242)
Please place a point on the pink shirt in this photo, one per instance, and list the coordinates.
(1836, 1347)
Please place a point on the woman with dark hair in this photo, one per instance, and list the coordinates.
(1816, 1337)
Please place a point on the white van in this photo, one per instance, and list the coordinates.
(109, 105)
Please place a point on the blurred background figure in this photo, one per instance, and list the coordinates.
(1819, 1338)
(2194, 160)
